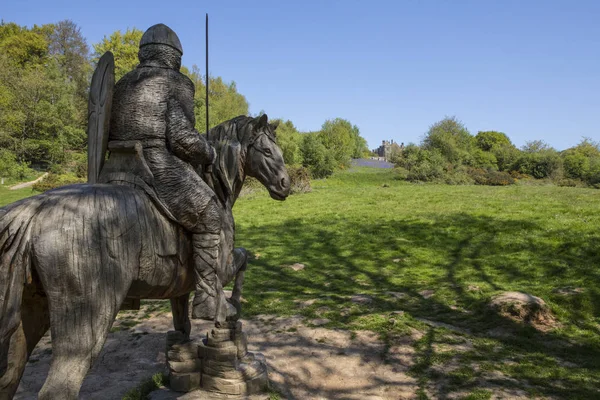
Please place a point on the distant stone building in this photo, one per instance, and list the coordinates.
(387, 148)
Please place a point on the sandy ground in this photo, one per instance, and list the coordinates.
(304, 362)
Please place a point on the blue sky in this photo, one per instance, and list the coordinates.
(530, 69)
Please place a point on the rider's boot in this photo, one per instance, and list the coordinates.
(209, 300)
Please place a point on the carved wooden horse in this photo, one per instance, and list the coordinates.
(71, 256)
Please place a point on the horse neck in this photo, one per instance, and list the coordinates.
(226, 196)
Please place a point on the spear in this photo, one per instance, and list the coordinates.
(207, 125)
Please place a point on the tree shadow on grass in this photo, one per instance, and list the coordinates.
(464, 259)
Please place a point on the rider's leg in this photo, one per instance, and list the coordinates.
(209, 300)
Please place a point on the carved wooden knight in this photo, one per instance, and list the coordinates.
(154, 104)
(145, 226)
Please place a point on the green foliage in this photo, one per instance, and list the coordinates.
(224, 100)
(43, 80)
(491, 177)
(290, 141)
(422, 165)
(484, 159)
(339, 137)
(316, 157)
(55, 180)
(8, 164)
(124, 47)
(22, 46)
(451, 138)
(299, 179)
(506, 156)
(486, 140)
(582, 162)
(540, 162)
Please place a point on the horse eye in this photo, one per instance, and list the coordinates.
(268, 152)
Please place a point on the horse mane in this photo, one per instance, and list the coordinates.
(228, 140)
(235, 128)
(227, 131)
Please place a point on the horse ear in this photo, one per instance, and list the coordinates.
(262, 121)
(274, 125)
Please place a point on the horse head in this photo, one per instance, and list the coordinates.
(264, 158)
(247, 146)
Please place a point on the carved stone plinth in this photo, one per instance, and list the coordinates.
(184, 363)
(219, 364)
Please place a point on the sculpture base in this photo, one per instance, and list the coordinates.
(219, 365)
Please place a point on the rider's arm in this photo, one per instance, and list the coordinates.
(185, 142)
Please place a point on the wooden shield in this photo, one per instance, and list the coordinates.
(99, 105)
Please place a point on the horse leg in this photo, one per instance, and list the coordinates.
(240, 257)
(181, 317)
(17, 358)
(35, 321)
(79, 330)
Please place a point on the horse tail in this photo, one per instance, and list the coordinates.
(15, 267)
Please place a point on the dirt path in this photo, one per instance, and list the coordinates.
(304, 362)
(28, 184)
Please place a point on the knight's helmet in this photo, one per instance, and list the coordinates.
(161, 34)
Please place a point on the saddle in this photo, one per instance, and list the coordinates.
(127, 166)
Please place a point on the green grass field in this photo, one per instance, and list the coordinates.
(8, 196)
(362, 232)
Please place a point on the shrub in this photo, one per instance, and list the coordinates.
(459, 176)
(316, 158)
(570, 182)
(52, 181)
(499, 178)
(542, 164)
(299, 179)
(400, 173)
(491, 177)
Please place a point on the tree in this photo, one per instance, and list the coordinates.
(339, 138)
(124, 47)
(451, 138)
(8, 164)
(583, 161)
(535, 146)
(486, 140)
(315, 157)
(23, 47)
(68, 46)
(289, 141)
(224, 100)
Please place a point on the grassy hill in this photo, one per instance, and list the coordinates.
(372, 245)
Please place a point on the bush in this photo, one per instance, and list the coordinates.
(458, 176)
(490, 177)
(400, 173)
(52, 181)
(542, 164)
(299, 179)
(316, 157)
(570, 182)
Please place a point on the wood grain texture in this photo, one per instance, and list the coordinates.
(75, 253)
(99, 108)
